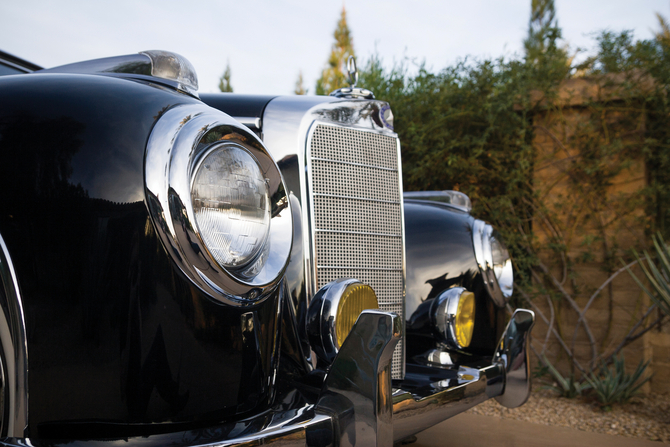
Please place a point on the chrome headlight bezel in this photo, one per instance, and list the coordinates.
(497, 274)
(180, 141)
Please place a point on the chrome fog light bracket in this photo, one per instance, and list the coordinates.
(332, 313)
(245, 183)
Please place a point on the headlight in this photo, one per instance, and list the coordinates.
(232, 204)
(494, 262)
(218, 202)
(333, 312)
(502, 265)
(453, 314)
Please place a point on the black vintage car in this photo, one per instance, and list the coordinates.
(220, 269)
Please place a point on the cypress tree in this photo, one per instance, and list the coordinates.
(333, 76)
(549, 62)
(224, 80)
(299, 86)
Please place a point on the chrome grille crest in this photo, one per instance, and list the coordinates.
(357, 214)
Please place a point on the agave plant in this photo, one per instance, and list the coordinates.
(612, 385)
(565, 386)
(657, 273)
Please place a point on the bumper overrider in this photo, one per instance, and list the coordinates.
(358, 404)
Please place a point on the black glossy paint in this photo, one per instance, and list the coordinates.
(439, 256)
(116, 334)
(250, 106)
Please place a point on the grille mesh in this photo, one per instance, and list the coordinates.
(357, 215)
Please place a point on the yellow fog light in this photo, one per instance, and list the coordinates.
(465, 319)
(355, 299)
(454, 317)
(333, 312)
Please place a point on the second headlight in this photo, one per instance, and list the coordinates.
(494, 262)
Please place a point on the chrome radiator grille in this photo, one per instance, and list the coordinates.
(357, 215)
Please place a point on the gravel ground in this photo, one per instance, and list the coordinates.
(643, 417)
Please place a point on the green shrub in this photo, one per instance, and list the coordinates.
(565, 386)
(613, 385)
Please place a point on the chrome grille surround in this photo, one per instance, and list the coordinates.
(356, 214)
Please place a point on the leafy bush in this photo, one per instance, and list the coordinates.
(488, 127)
(613, 385)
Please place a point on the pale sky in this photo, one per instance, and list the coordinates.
(268, 42)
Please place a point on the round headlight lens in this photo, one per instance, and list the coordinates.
(231, 203)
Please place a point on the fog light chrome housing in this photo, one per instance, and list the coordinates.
(453, 315)
(332, 313)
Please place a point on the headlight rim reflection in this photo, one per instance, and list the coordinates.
(180, 140)
(499, 288)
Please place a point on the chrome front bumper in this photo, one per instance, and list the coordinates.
(358, 406)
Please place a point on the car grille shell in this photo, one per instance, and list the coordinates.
(356, 214)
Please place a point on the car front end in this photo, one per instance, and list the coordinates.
(227, 269)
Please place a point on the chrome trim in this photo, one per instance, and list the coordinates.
(413, 413)
(364, 199)
(318, 230)
(443, 315)
(286, 122)
(381, 269)
(437, 357)
(481, 241)
(353, 93)
(387, 302)
(506, 378)
(504, 273)
(354, 164)
(15, 66)
(286, 125)
(173, 152)
(454, 198)
(249, 121)
(292, 428)
(512, 353)
(133, 66)
(367, 388)
(14, 348)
